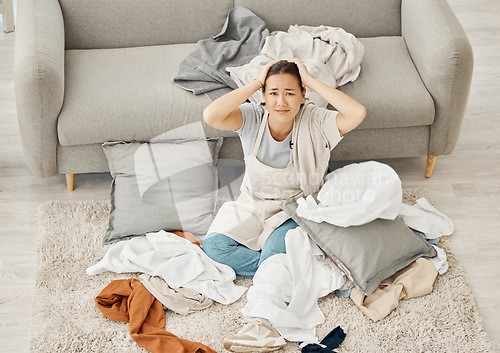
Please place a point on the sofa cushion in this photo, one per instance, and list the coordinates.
(131, 96)
(127, 23)
(390, 87)
(126, 94)
(154, 189)
(368, 253)
(359, 17)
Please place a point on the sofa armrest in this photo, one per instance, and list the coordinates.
(39, 81)
(443, 56)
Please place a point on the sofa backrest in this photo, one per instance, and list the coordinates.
(94, 24)
(363, 18)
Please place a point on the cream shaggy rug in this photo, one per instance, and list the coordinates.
(66, 319)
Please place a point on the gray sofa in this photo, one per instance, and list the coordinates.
(87, 72)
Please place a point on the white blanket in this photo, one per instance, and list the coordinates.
(298, 278)
(178, 261)
(425, 218)
(330, 54)
(354, 195)
(360, 193)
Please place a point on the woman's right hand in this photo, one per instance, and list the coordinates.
(261, 77)
(224, 113)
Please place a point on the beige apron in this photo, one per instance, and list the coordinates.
(252, 217)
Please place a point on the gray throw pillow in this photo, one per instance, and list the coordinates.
(368, 253)
(169, 185)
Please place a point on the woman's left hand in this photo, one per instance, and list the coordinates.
(351, 112)
(304, 73)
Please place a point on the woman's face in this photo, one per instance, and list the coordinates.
(283, 96)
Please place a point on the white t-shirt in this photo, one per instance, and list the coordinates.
(272, 153)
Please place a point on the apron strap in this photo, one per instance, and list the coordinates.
(259, 135)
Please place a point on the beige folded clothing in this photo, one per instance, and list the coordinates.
(181, 300)
(415, 280)
(255, 336)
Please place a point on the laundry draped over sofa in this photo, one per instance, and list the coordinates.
(233, 58)
(240, 40)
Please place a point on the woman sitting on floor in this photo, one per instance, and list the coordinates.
(287, 144)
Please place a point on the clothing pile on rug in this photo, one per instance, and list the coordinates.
(282, 303)
(130, 301)
(286, 287)
(179, 262)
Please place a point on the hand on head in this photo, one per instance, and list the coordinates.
(303, 72)
(264, 70)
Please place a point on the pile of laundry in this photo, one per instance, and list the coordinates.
(233, 58)
(176, 275)
(282, 303)
(286, 287)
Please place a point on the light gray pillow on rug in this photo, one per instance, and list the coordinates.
(368, 253)
(169, 185)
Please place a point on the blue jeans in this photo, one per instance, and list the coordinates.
(242, 260)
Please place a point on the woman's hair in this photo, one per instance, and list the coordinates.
(284, 67)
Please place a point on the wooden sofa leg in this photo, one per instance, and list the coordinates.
(70, 181)
(431, 162)
(8, 15)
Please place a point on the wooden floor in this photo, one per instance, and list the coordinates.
(465, 185)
